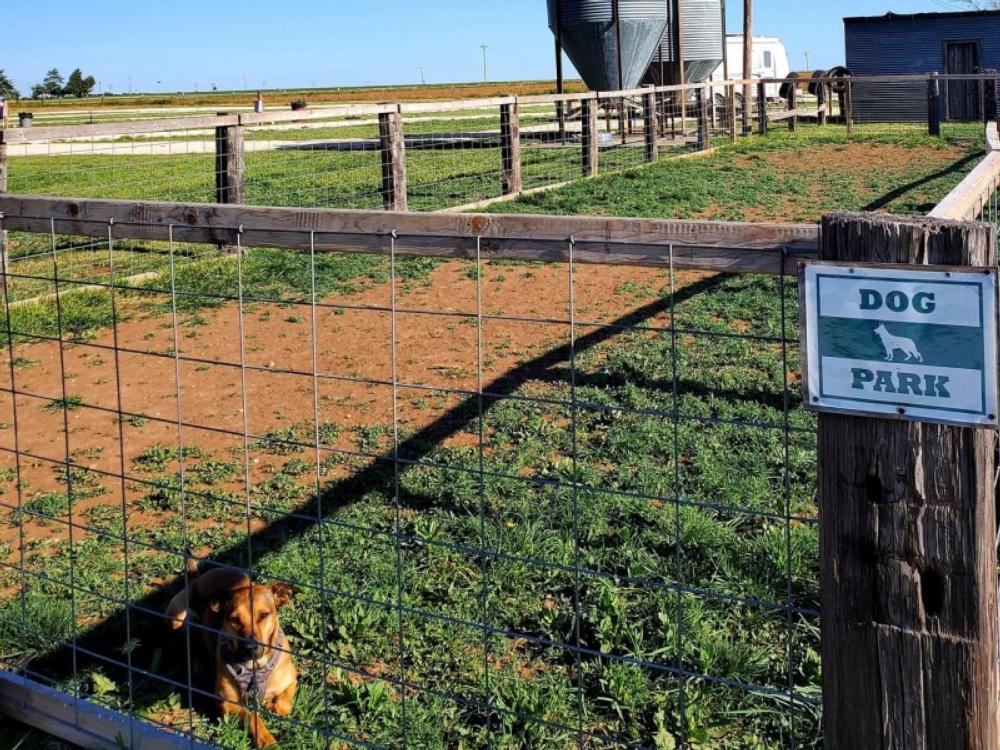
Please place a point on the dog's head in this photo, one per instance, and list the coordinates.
(249, 618)
(881, 328)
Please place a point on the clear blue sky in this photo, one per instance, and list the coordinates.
(171, 46)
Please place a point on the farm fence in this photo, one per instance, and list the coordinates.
(537, 481)
(474, 528)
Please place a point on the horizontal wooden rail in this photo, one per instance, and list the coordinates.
(967, 201)
(14, 136)
(792, 113)
(82, 723)
(704, 245)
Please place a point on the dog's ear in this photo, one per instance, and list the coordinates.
(283, 593)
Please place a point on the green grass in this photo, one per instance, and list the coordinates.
(627, 543)
(747, 180)
(718, 502)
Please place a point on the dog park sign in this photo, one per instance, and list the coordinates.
(914, 343)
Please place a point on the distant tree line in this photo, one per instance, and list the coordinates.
(53, 85)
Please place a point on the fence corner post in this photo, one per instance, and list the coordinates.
(510, 148)
(821, 104)
(588, 141)
(933, 105)
(392, 146)
(908, 558)
(651, 127)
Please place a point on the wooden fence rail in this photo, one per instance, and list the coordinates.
(973, 194)
(704, 245)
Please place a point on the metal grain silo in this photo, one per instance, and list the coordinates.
(611, 42)
(702, 39)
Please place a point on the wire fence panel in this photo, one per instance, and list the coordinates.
(516, 500)
(332, 163)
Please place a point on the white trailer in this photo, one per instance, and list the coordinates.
(770, 60)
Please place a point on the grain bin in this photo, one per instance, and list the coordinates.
(611, 42)
(702, 40)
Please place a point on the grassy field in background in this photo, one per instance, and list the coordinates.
(102, 108)
(718, 501)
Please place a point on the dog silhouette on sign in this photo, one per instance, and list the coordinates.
(893, 343)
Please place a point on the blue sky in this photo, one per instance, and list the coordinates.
(178, 45)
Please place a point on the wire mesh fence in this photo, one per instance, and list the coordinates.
(532, 532)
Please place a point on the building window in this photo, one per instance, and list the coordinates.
(767, 58)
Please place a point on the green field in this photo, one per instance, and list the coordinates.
(668, 530)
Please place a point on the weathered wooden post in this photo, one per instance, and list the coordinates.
(761, 108)
(229, 163)
(933, 105)
(392, 145)
(588, 141)
(792, 95)
(907, 543)
(731, 110)
(990, 98)
(821, 104)
(650, 126)
(701, 107)
(510, 148)
(849, 107)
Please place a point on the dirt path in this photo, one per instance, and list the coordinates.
(436, 355)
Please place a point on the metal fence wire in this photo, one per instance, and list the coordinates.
(518, 499)
(521, 504)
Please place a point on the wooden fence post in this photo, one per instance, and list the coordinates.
(792, 95)
(849, 107)
(761, 108)
(731, 111)
(229, 163)
(650, 126)
(990, 99)
(589, 145)
(907, 544)
(704, 133)
(821, 104)
(561, 118)
(510, 148)
(393, 147)
(934, 105)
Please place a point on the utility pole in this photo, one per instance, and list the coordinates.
(748, 62)
(484, 47)
(808, 67)
(423, 79)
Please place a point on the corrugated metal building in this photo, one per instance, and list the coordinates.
(964, 42)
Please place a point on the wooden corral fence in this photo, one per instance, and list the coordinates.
(909, 572)
(907, 515)
(696, 113)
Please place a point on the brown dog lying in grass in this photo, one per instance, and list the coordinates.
(241, 633)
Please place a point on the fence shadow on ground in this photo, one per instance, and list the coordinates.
(145, 614)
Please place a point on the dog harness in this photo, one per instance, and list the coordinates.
(253, 680)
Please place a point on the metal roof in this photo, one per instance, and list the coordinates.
(890, 16)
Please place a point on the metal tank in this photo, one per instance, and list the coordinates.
(610, 42)
(703, 40)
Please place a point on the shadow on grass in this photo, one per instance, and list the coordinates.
(883, 201)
